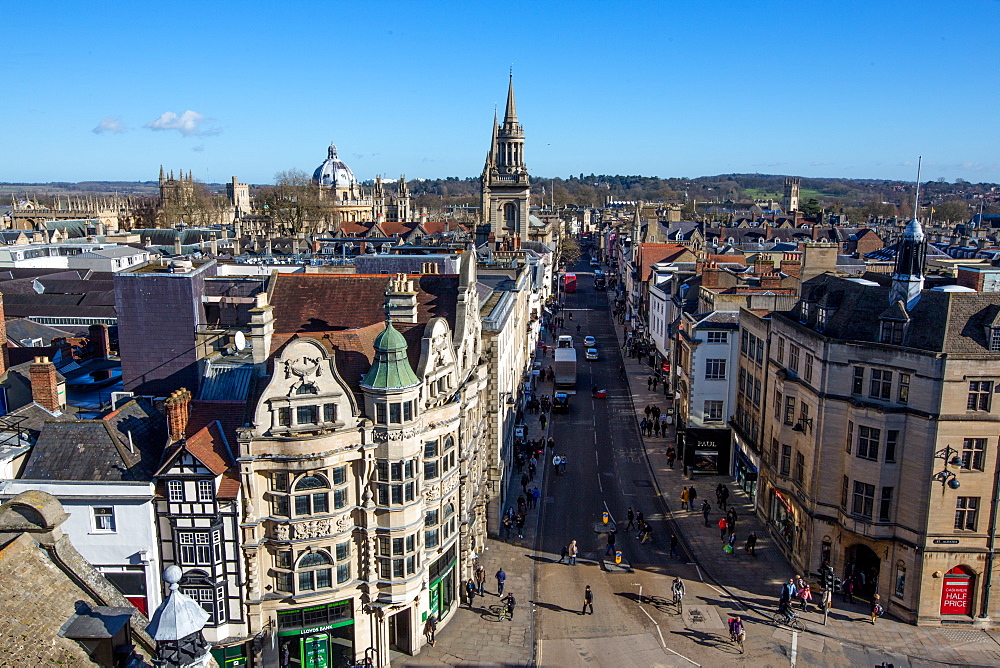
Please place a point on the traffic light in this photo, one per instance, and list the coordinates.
(828, 577)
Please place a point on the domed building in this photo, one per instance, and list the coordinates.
(354, 202)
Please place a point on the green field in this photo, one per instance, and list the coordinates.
(804, 194)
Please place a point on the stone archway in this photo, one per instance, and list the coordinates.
(862, 566)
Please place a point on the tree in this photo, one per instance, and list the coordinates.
(569, 250)
(953, 211)
(293, 202)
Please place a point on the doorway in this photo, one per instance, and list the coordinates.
(862, 567)
(399, 632)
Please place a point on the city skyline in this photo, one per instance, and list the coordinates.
(669, 91)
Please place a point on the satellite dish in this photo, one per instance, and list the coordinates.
(240, 341)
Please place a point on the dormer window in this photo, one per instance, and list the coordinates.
(891, 332)
(994, 339)
(306, 388)
(821, 317)
(805, 310)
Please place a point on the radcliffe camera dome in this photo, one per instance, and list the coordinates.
(333, 172)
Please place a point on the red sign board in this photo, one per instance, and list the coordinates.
(956, 596)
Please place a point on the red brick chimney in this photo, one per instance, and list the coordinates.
(3, 339)
(791, 265)
(44, 386)
(769, 281)
(763, 266)
(100, 341)
(178, 406)
(710, 275)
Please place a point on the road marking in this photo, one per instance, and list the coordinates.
(663, 644)
(700, 576)
(725, 595)
(795, 646)
(599, 484)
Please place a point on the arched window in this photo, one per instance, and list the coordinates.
(314, 571)
(510, 215)
(311, 482)
(306, 388)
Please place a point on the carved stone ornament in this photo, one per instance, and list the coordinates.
(383, 435)
(343, 523)
(304, 367)
(431, 493)
(281, 531)
(312, 529)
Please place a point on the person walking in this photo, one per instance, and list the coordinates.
(827, 602)
(571, 552)
(481, 579)
(519, 521)
(470, 592)
(501, 580)
(673, 545)
(692, 496)
(649, 384)
(656, 427)
(805, 594)
(640, 521)
(588, 600)
(542, 419)
(631, 519)
(430, 627)
(563, 554)
(524, 482)
(563, 459)
(731, 544)
(751, 543)
(877, 609)
(684, 498)
(718, 495)
(706, 508)
(671, 457)
(724, 497)
(612, 539)
(510, 602)
(505, 526)
(535, 496)
(643, 425)
(723, 526)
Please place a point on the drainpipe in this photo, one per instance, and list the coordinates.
(991, 540)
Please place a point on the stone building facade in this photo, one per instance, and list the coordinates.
(364, 463)
(878, 450)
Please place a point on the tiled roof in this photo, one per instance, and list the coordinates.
(650, 254)
(232, 415)
(313, 303)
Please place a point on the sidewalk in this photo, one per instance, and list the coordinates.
(469, 638)
(756, 582)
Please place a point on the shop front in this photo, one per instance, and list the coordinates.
(706, 451)
(782, 520)
(957, 591)
(443, 584)
(746, 471)
(319, 636)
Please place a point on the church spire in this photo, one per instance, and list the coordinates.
(510, 116)
(911, 252)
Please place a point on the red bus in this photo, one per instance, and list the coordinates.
(569, 283)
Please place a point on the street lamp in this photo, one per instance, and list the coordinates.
(951, 457)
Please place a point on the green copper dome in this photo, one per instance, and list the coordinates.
(391, 369)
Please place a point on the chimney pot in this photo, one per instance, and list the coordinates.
(44, 384)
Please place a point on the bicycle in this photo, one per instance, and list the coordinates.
(738, 639)
(679, 602)
(789, 619)
(497, 613)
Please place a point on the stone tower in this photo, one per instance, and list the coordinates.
(790, 200)
(505, 185)
(908, 274)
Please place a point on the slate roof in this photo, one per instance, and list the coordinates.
(22, 328)
(944, 322)
(83, 450)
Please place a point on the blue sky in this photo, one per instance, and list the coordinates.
(102, 91)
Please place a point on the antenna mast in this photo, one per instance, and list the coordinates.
(916, 198)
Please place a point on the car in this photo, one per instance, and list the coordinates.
(560, 401)
(591, 353)
(595, 263)
(590, 342)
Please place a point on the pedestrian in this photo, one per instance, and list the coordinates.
(731, 544)
(805, 593)
(656, 427)
(481, 579)
(647, 534)
(542, 419)
(673, 545)
(524, 482)
(556, 461)
(723, 525)
(648, 411)
(718, 495)
(692, 496)
(684, 498)
(510, 602)
(612, 539)
(505, 525)
(571, 552)
(563, 554)
(639, 519)
(532, 467)
(470, 591)
(725, 497)
(631, 519)
(849, 590)
(751, 543)
(649, 384)
(671, 457)
(706, 508)
(519, 521)
(552, 443)
(501, 580)
(643, 425)
(535, 496)
(563, 459)
(731, 516)
(827, 603)
(877, 609)
(588, 600)
(430, 628)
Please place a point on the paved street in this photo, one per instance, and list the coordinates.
(611, 467)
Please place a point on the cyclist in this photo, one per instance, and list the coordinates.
(736, 630)
(677, 589)
(510, 602)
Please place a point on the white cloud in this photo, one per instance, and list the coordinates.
(189, 124)
(199, 148)
(110, 124)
